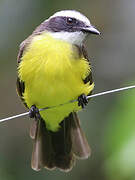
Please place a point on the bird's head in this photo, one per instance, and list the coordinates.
(69, 25)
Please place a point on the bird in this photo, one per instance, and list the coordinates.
(54, 68)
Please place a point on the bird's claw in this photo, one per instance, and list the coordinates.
(34, 112)
(82, 100)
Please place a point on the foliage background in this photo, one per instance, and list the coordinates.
(108, 121)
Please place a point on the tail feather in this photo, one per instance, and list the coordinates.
(62, 144)
(33, 129)
(42, 155)
(58, 149)
(80, 145)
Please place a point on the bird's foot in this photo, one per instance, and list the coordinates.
(34, 112)
(82, 100)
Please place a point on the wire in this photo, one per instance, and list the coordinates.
(111, 91)
(88, 97)
(13, 117)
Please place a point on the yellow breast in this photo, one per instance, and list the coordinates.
(53, 74)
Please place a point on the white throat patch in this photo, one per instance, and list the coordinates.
(76, 38)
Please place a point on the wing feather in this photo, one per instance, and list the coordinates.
(20, 85)
(89, 77)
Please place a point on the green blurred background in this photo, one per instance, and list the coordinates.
(108, 121)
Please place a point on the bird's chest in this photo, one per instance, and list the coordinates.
(56, 82)
(53, 73)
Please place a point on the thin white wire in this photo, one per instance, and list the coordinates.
(111, 91)
(13, 117)
(88, 97)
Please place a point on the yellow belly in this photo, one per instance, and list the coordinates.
(53, 74)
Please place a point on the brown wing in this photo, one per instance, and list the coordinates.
(21, 50)
(89, 77)
(20, 85)
(22, 47)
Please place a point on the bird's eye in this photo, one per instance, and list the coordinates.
(71, 20)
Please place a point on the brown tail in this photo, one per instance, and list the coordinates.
(58, 149)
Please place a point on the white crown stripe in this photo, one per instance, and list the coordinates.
(72, 14)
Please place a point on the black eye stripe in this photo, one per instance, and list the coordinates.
(59, 23)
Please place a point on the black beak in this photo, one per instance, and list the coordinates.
(90, 29)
